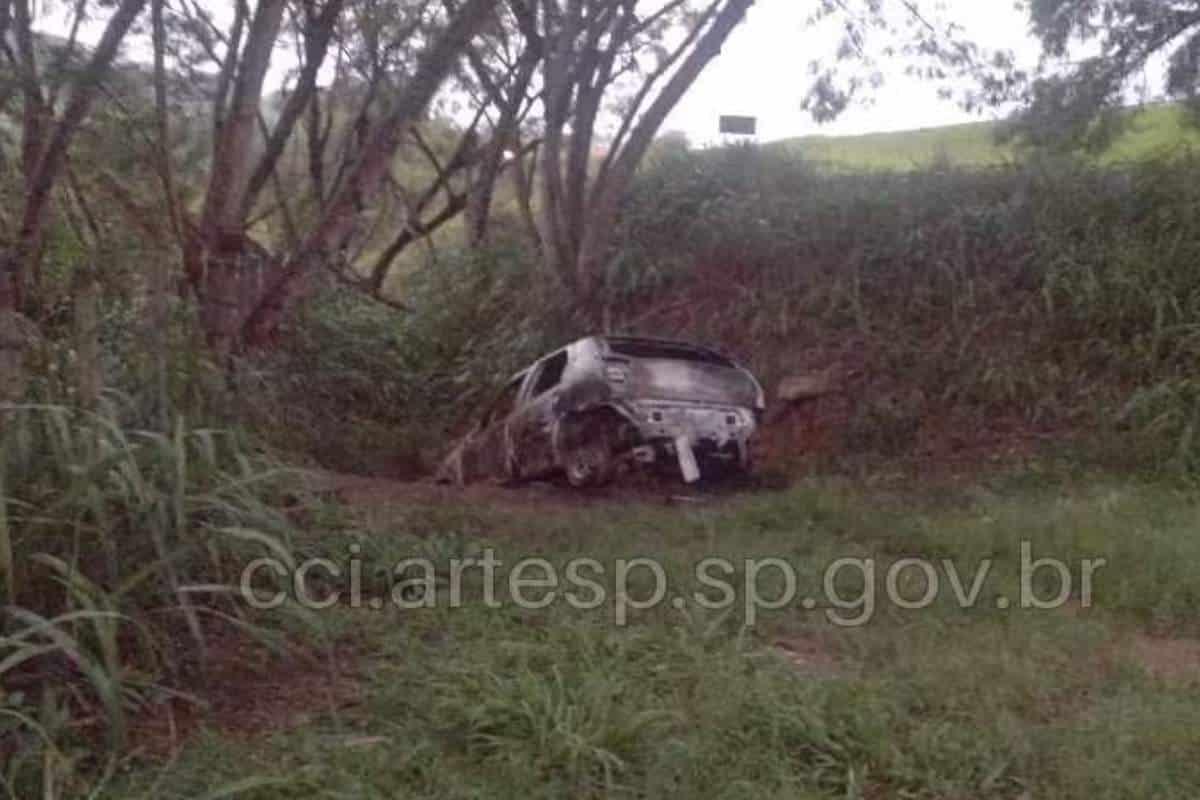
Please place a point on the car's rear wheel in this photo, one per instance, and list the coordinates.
(589, 464)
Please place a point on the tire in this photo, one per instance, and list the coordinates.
(590, 464)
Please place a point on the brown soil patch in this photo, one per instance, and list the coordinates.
(379, 494)
(875, 411)
(1175, 662)
(810, 655)
(247, 690)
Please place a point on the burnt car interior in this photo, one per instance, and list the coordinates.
(671, 351)
(604, 403)
(550, 373)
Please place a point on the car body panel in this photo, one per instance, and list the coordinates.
(660, 379)
(669, 399)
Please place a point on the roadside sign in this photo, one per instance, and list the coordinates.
(739, 126)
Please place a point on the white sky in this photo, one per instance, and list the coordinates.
(763, 72)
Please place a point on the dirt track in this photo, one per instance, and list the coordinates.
(367, 492)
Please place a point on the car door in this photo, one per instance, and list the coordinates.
(532, 428)
(488, 452)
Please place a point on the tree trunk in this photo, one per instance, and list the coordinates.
(234, 153)
(523, 182)
(159, 310)
(363, 184)
(504, 135)
(606, 196)
(5, 21)
(89, 377)
(45, 150)
(215, 255)
(557, 251)
(14, 346)
(318, 33)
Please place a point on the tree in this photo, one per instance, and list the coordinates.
(46, 133)
(629, 62)
(368, 173)
(495, 84)
(265, 222)
(392, 60)
(913, 34)
(633, 60)
(1083, 101)
(217, 254)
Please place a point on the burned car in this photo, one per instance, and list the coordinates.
(603, 401)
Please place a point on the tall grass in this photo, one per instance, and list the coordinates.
(1046, 300)
(947, 702)
(1049, 296)
(373, 389)
(1152, 130)
(119, 551)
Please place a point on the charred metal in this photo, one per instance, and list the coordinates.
(607, 401)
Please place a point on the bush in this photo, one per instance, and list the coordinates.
(1052, 295)
(119, 550)
(372, 389)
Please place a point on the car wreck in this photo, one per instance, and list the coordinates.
(607, 401)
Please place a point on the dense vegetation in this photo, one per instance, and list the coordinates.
(1051, 295)
(958, 307)
(944, 702)
(1046, 309)
(1012, 334)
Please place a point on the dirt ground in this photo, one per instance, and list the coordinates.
(372, 493)
(247, 690)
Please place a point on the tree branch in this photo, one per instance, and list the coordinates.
(317, 34)
(227, 189)
(630, 115)
(364, 182)
(414, 230)
(43, 173)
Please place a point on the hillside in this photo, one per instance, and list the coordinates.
(1155, 129)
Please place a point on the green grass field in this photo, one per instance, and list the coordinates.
(944, 702)
(1156, 130)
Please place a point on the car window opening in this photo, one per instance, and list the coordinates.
(551, 374)
(636, 348)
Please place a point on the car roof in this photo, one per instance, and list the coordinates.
(650, 340)
(605, 339)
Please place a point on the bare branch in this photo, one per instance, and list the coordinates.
(36, 111)
(163, 149)
(631, 113)
(281, 200)
(318, 32)
(367, 289)
(366, 179)
(229, 180)
(413, 231)
(139, 215)
(44, 157)
(228, 65)
(58, 69)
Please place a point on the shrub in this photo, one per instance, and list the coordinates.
(1050, 295)
(119, 551)
(370, 388)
